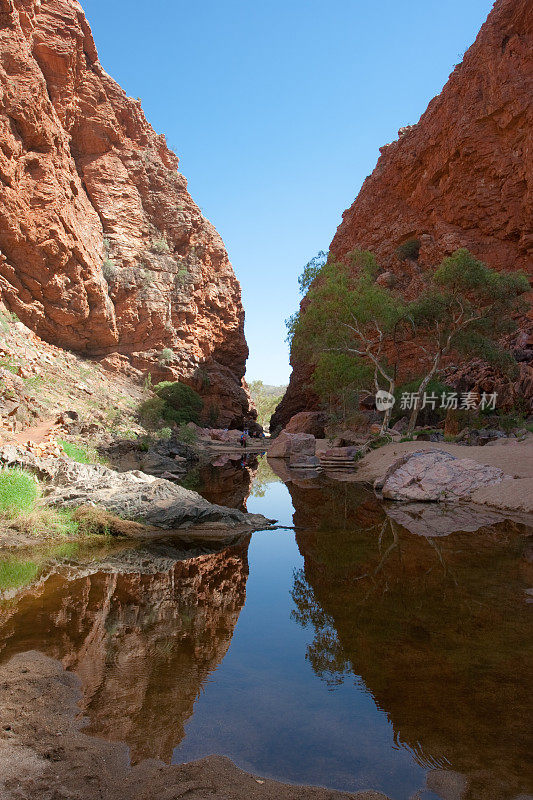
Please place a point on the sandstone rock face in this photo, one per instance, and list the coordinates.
(434, 475)
(102, 249)
(461, 177)
(312, 422)
(287, 445)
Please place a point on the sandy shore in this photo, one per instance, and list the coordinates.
(513, 457)
(44, 752)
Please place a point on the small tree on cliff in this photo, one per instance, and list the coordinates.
(466, 308)
(346, 312)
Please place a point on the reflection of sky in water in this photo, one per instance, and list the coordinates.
(266, 709)
(276, 504)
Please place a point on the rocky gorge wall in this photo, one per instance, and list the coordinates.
(461, 177)
(102, 249)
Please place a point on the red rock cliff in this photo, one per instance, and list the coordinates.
(102, 249)
(461, 177)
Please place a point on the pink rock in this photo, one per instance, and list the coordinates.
(312, 422)
(290, 444)
(431, 475)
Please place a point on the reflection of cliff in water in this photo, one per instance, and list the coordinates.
(435, 628)
(226, 481)
(143, 643)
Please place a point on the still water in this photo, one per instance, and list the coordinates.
(354, 651)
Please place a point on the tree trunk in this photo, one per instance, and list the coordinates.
(421, 389)
(388, 412)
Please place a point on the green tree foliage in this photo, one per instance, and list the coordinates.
(466, 308)
(172, 401)
(266, 399)
(348, 324)
(337, 380)
(182, 404)
(347, 314)
(311, 270)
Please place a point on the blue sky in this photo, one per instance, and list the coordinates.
(277, 111)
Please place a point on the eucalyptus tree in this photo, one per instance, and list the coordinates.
(466, 308)
(345, 312)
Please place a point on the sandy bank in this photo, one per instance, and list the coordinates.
(513, 457)
(44, 753)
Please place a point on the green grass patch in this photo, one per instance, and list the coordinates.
(80, 453)
(75, 452)
(18, 492)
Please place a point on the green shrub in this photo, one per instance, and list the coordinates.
(160, 246)
(186, 435)
(75, 452)
(379, 441)
(203, 376)
(145, 443)
(18, 492)
(165, 433)
(181, 403)
(7, 318)
(109, 270)
(151, 411)
(166, 356)
(10, 366)
(409, 249)
(427, 415)
(213, 415)
(507, 422)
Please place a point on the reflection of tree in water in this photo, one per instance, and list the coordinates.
(435, 628)
(325, 654)
(262, 477)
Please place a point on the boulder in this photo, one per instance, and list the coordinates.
(387, 279)
(402, 425)
(290, 444)
(256, 430)
(156, 502)
(312, 422)
(430, 436)
(432, 475)
(347, 438)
